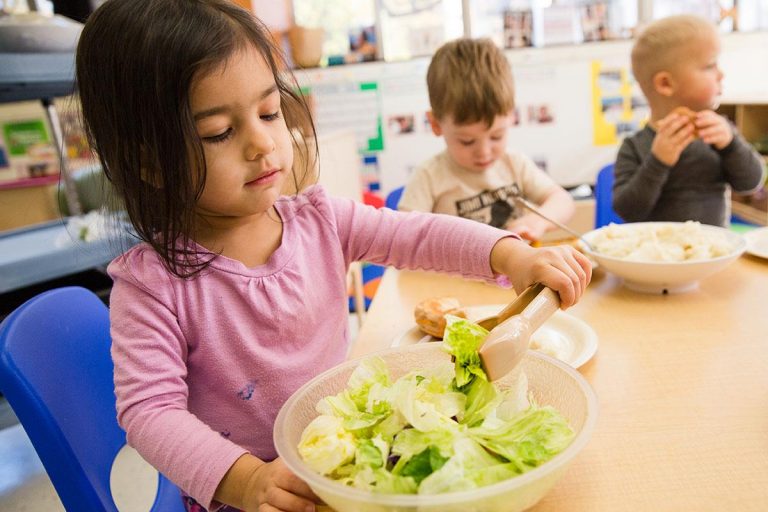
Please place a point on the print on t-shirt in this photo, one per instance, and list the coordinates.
(493, 207)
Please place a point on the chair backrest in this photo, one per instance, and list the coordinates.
(56, 372)
(604, 213)
(393, 198)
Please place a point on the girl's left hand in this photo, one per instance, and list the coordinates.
(562, 268)
(714, 129)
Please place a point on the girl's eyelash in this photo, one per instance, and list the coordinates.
(466, 142)
(227, 134)
(220, 137)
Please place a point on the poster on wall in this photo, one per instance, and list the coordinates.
(619, 107)
(350, 106)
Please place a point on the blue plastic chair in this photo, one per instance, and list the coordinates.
(604, 213)
(56, 372)
(393, 198)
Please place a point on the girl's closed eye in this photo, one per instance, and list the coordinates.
(271, 117)
(466, 142)
(221, 137)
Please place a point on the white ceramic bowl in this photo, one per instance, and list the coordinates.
(665, 277)
(551, 382)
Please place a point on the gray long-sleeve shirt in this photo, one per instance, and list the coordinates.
(645, 189)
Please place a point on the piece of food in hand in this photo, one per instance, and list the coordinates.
(430, 314)
(691, 115)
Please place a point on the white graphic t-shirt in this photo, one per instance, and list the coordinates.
(440, 185)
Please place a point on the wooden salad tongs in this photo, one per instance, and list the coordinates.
(511, 330)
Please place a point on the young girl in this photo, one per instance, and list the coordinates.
(237, 295)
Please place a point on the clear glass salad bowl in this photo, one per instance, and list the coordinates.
(550, 381)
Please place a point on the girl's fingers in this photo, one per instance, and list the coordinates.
(562, 279)
(280, 499)
(578, 269)
(585, 264)
(296, 486)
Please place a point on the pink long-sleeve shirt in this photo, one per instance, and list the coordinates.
(202, 365)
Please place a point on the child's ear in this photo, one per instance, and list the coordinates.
(149, 172)
(151, 177)
(664, 83)
(434, 123)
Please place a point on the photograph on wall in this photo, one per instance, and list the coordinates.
(401, 124)
(540, 114)
(518, 28)
(594, 22)
(362, 44)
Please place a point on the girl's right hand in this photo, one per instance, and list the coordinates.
(562, 268)
(273, 487)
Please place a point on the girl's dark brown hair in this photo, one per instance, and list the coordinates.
(136, 60)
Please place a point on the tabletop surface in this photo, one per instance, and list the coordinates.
(682, 383)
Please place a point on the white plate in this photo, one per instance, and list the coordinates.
(563, 336)
(757, 242)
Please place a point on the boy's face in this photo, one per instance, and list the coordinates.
(697, 78)
(475, 146)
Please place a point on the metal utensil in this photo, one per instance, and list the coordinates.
(508, 341)
(535, 209)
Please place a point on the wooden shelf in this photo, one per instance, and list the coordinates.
(751, 119)
(752, 208)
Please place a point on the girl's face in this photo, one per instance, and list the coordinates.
(699, 77)
(248, 151)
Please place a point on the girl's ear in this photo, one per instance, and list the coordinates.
(434, 123)
(664, 83)
(151, 177)
(149, 173)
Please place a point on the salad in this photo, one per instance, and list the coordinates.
(439, 429)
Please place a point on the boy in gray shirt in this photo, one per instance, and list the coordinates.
(678, 167)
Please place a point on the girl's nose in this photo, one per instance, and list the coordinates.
(259, 142)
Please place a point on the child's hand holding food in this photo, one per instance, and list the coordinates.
(714, 129)
(673, 134)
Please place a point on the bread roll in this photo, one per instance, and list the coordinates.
(430, 314)
(691, 115)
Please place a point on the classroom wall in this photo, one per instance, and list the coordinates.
(574, 83)
(369, 99)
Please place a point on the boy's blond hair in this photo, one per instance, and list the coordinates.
(470, 80)
(662, 44)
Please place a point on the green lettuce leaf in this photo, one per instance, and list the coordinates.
(463, 340)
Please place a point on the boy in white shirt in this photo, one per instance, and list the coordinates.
(471, 93)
